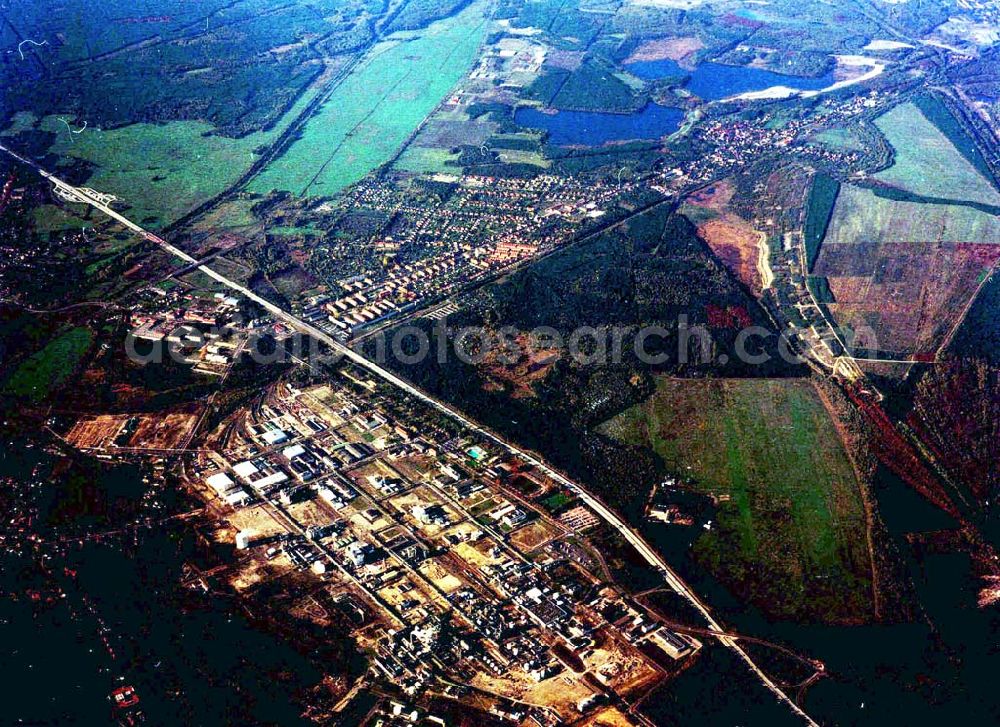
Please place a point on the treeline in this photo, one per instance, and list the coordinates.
(819, 211)
(414, 14)
(938, 113)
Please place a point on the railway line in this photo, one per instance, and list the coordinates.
(673, 580)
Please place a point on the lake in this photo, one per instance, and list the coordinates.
(710, 81)
(594, 128)
(713, 81)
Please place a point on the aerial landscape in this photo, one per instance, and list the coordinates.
(607, 363)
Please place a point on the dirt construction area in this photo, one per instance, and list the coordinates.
(141, 431)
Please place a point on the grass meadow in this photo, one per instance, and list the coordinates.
(927, 163)
(862, 216)
(790, 531)
(377, 107)
(46, 369)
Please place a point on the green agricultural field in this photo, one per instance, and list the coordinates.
(557, 501)
(519, 156)
(927, 163)
(162, 171)
(862, 216)
(284, 231)
(425, 160)
(938, 114)
(377, 107)
(904, 269)
(51, 218)
(791, 533)
(45, 370)
(839, 138)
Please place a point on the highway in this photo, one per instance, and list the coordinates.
(98, 201)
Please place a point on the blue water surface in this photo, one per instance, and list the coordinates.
(709, 81)
(594, 128)
(712, 81)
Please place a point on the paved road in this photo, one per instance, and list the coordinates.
(610, 517)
